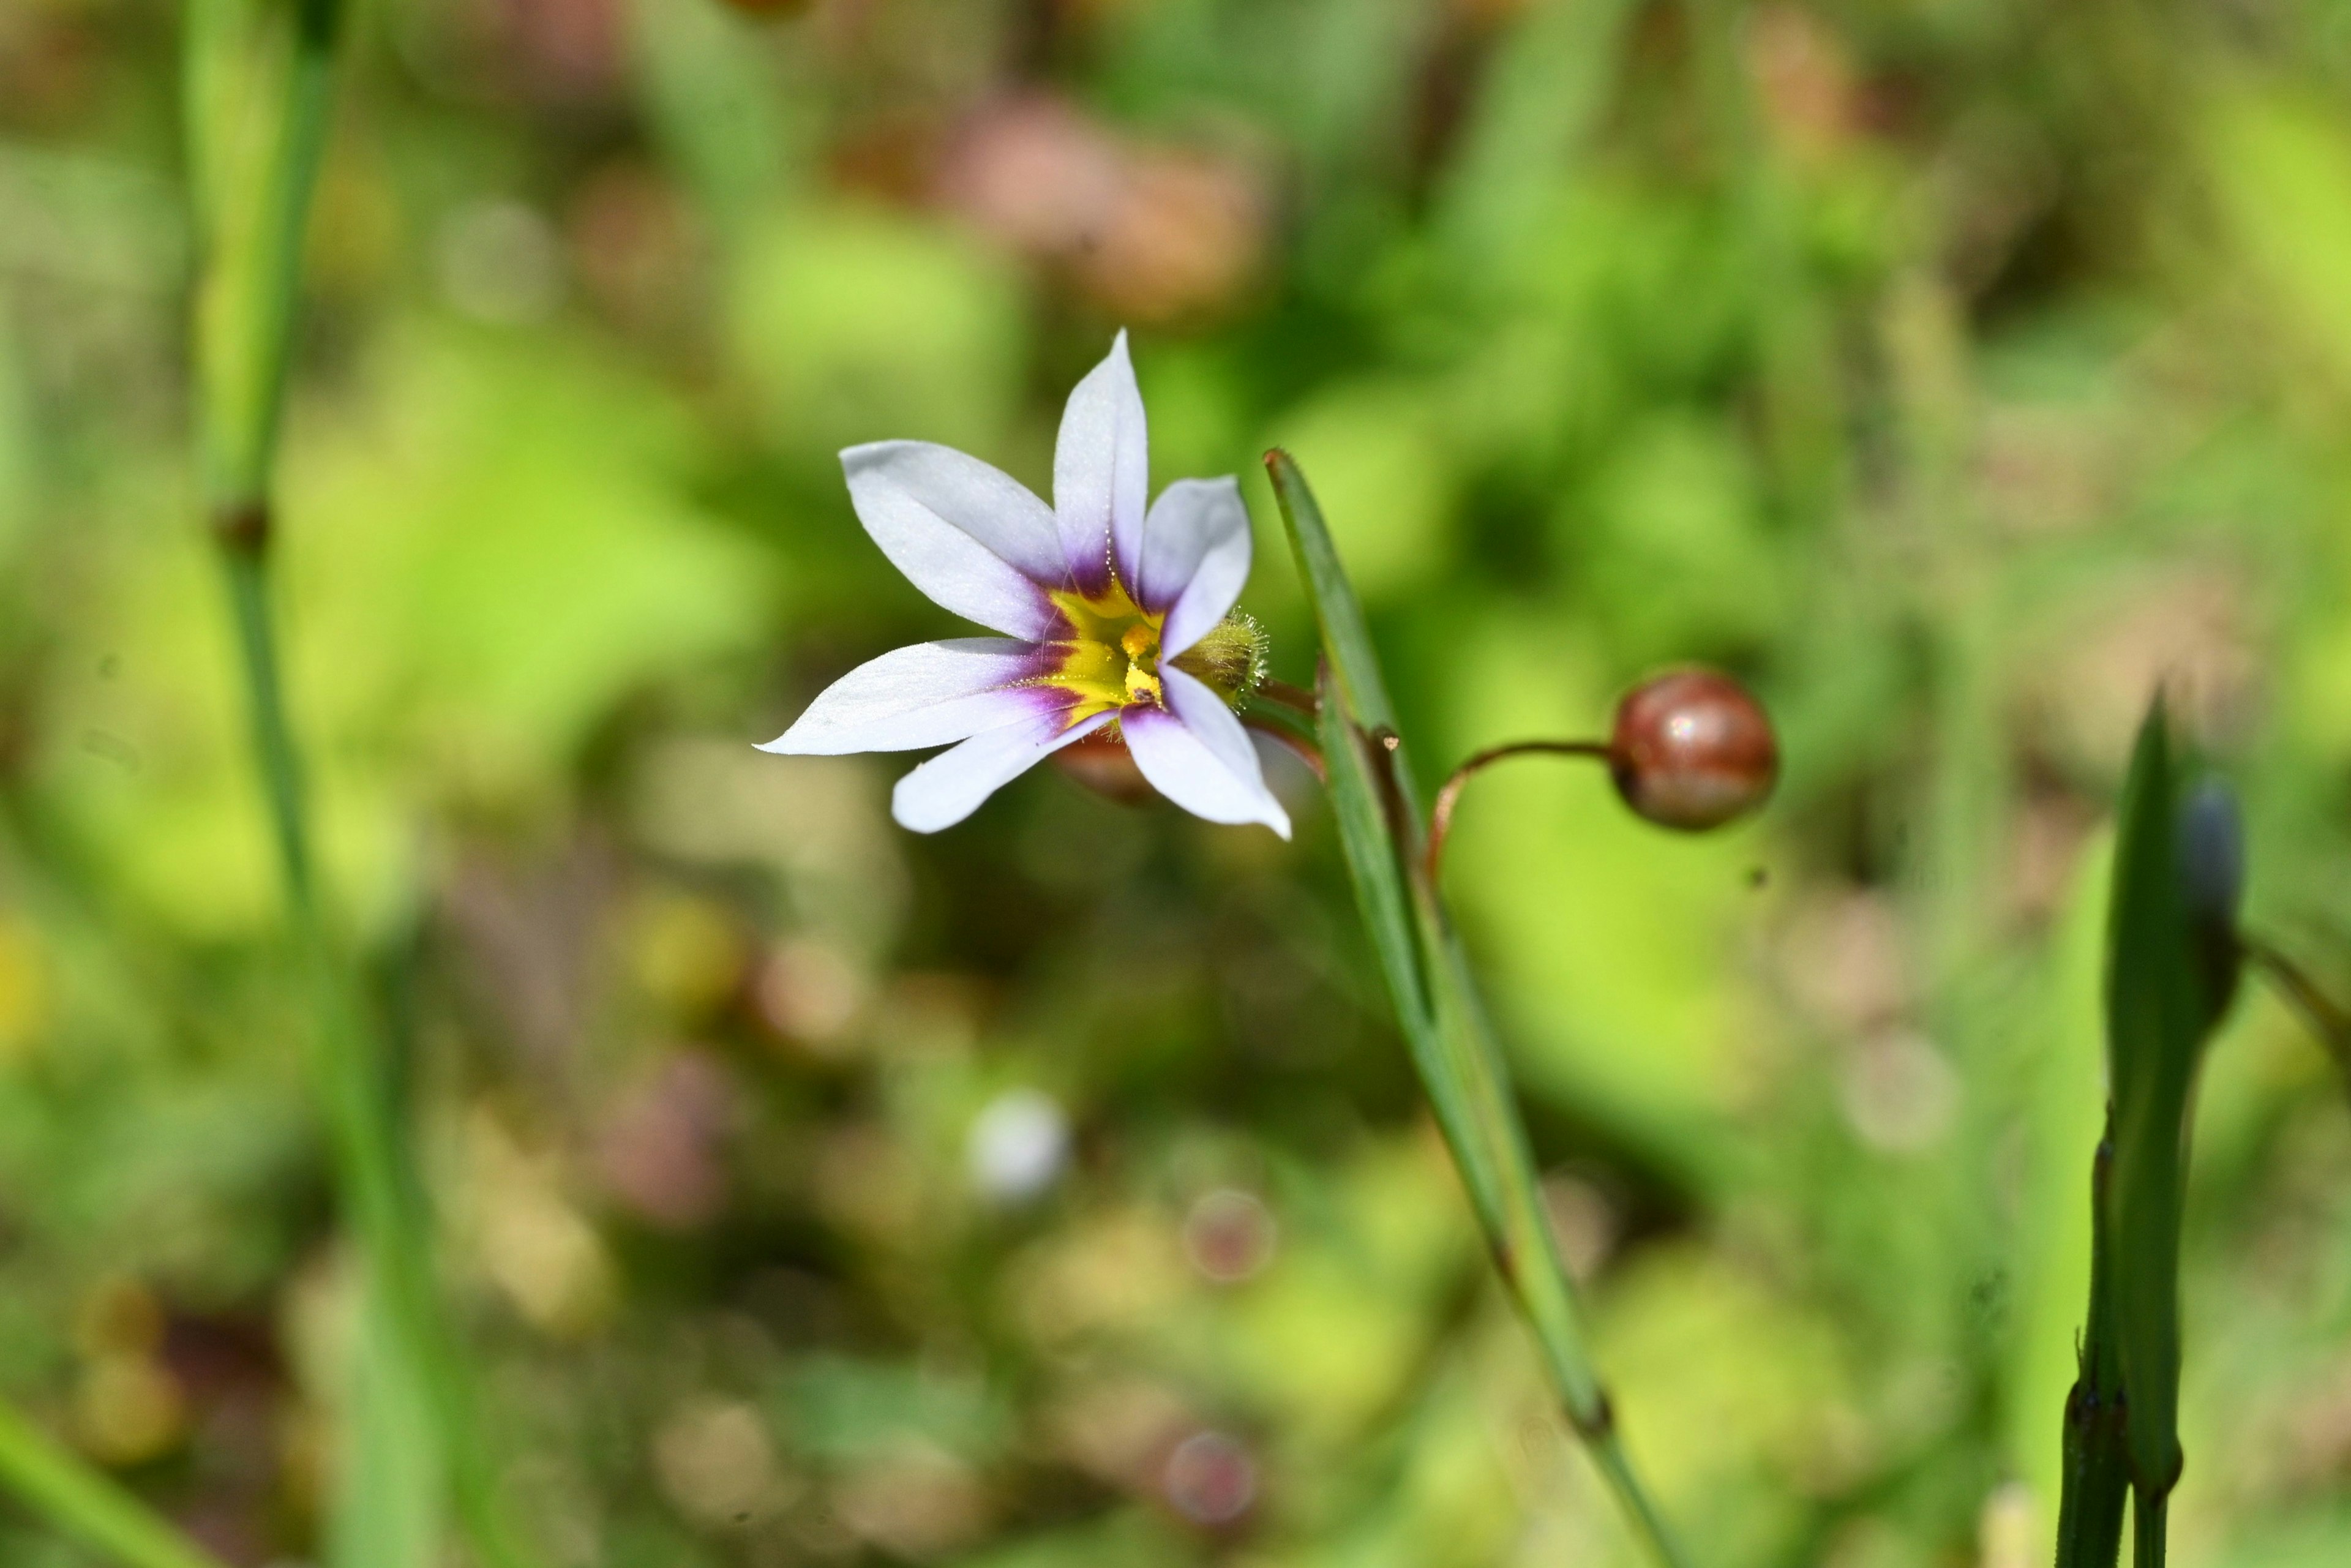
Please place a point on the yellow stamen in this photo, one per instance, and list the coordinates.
(1111, 658)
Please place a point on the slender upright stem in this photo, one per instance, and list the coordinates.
(1448, 794)
(1470, 1087)
(2148, 1514)
(1453, 1045)
(2097, 1459)
(1499, 1168)
(252, 233)
(87, 1504)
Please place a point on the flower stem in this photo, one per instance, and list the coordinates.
(1454, 1050)
(1448, 794)
(2097, 1461)
(252, 233)
(1297, 744)
(2320, 1013)
(1492, 1148)
(88, 1504)
(1298, 699)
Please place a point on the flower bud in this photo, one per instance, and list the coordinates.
(2210, 846)
(1692, 749)
(2211, 854)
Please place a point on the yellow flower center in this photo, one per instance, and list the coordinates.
(1111, 658)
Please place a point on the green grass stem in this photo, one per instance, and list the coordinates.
(252, 233)
(87, 1504)
(1460, 1063)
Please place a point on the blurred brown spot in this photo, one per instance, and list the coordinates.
(562, 49)
(1490, 13)
(1228, 1235)
(1210, 1479)
(2185, 632)
(1899, 1093)
(1120, 1430)
(2045, 846)
(1845, 958)
(637, 250)
(120, 1316)
(532, 1241)
(1153, 234)
(812, 994)
(2047, 469)
(914, 1501)
(1035, 174)
(1803, 79)
(49, 61)
(1184, 240)
(1112, 1271)
(528, 937)
(717, 1465)
(1583, 1223)
(937, 1013)
(660, 1150)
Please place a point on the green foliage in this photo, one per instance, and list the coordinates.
(1952, 373)
(1437, 1006)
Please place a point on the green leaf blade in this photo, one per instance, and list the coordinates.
(2160, 1011)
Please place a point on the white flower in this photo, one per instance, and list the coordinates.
(1018, 1143)
(1119, 619)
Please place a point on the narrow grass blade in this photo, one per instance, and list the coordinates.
(258, 137)
(388, 1489)
(2164, 995)
(1375, 804)
(87, 1504)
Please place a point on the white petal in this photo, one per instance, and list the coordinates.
(1102, 472)
(951, 786)
(928, 695)
(1196, 557)
(1198, 755)
(971, 536)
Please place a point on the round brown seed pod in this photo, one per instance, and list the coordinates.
(1692, 749)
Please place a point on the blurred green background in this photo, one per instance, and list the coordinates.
(1055, 1191)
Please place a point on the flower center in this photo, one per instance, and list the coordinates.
(1111, 658)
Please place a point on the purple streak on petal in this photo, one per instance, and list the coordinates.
(928, 694)
(970, 536)
(1197, 754)
(1196, 557)
(1102, 472)
(951, 786)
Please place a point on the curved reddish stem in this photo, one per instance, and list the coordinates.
(2320, 1013)
(1440, 815)
(1298, 699)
